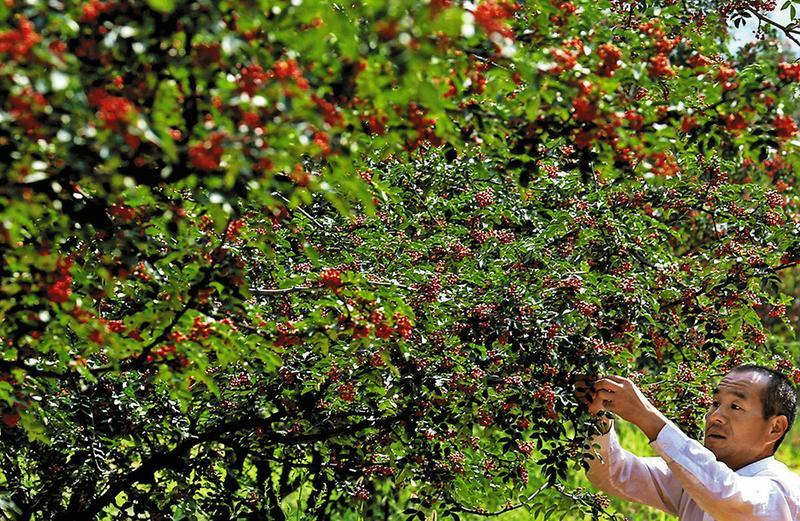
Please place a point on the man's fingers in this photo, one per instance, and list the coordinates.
(608, 385)
(604, 396)
(618, 379)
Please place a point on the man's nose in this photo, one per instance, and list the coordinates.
(715, 415)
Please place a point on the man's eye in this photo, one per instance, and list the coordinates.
(735, 407)
(715, 404)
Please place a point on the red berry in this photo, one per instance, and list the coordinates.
(485, 198)
(785, 127)
(11, 418)
(331, 278)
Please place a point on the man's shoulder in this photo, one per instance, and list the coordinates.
(785, 477)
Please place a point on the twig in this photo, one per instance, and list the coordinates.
(293, 289)
(786, 265)
(277, 291)
(308, 216)
(506, 509)
(785, 28)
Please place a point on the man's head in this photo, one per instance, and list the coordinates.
(753, 408)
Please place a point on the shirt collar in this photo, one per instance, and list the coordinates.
(756, 467)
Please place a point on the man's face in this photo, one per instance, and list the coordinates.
(736, 431)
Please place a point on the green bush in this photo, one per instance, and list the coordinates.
(307, 259)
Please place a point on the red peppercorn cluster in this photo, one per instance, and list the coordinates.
(60, 289)
(491, 15)
(785, 127)
(331, 278)
(206, 155)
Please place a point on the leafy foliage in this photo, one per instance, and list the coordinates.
(262, 256)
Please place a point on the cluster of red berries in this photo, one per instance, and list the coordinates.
(17, 43)
(347, 392)
(429, 292)
(785, 127)
(491, 15)
(115, 111)
(585, 110)
(547, 397)
(773, 218)
(252, 78)
(628, 284)
(161, 352)
(485, 418)
(660, 66)
(330, 112)
(235, 226)
(61, 288)
(725, 76)
(200, 329)
(775, 199)
(403, 326)
(93, 9)
(755, 335)
(290, 70)
(380, 470)
(610, 55)
(735, 122)
(684, 373)
(26, 108)
(331, 278)
(788, 368)
(206, 155)
(789, 71)
(123, 212)
(567, 56)
(116, 326)
(287, 335)
(361, 493)
(586, 309)
(425, 127)
(456, 462)
(777, 311)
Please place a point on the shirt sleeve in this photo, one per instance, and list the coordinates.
(641, 480)
(717, 489)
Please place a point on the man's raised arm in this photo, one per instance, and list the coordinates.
(618, 472)
(713, 485)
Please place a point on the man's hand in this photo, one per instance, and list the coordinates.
(584, 391)
(621, 397)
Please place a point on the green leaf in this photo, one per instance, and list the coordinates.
(162, 6)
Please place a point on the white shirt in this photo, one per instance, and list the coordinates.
(688, 481)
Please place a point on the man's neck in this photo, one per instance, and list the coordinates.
(750, 462)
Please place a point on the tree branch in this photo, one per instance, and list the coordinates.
(509, 508)
(140, 360)
(297, 289)
(786, 29)
(173, 458)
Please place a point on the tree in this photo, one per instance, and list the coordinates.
(300, 255)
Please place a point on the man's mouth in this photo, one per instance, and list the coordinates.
(715, 436)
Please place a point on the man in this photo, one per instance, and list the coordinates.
(734, 477)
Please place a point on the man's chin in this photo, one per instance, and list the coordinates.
(713, 445)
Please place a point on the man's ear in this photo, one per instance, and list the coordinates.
(778, 425)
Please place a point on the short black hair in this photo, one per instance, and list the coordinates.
(779, 397)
